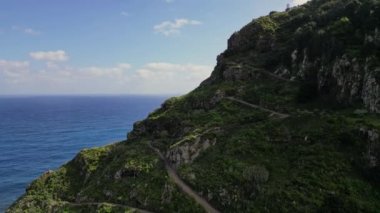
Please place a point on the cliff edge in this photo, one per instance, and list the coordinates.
(287, 122)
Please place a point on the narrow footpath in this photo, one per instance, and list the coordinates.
(279, 114)
(182, 185)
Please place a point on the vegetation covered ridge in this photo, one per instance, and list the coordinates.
(287, 122)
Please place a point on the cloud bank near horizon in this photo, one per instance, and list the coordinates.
(49, 73)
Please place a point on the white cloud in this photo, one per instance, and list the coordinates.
(161, 77)
(22, 77)
(58, 78)
(117, 71)
(58, 55)
(299, 2)
(14, 70)
(166, 71)
(168, 28)
(26, 30)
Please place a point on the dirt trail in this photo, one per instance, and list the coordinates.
(261, 70)
(182, 185)
(279, 114)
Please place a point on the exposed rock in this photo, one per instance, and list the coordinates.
(294, 56)
(348, 76)
(235, 73)
(352, 81)
(167, 194)
(200, 105)
(282, 72)
(256, 35)
(49, 172)
(118, 174)
(188, 151)
(371, 90)
(346, 79)
(219, 95)
(372, 154)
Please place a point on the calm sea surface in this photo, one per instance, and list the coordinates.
(42, 133)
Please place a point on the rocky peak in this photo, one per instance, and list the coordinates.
(334, 46)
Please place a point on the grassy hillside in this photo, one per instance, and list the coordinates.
(287, 122)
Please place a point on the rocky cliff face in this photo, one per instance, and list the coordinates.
(339, 57)
(287, 122)
(189, 148)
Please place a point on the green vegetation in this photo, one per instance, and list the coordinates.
(127, 174)
(267, 24)
(295, 165)
(312, 63)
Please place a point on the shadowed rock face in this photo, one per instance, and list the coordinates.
(287, 122)
(372, 154)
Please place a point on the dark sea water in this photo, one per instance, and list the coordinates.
(41, 133)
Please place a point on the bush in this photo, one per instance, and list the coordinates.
(257, 174)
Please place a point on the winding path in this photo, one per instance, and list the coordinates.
(261, 70)
(280, 115)
(182, 185)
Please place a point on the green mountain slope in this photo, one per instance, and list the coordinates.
(287, 122)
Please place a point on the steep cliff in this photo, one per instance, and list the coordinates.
(287, 122)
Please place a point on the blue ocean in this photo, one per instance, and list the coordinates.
(41, 133)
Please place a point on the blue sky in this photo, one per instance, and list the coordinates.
(117, 46)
